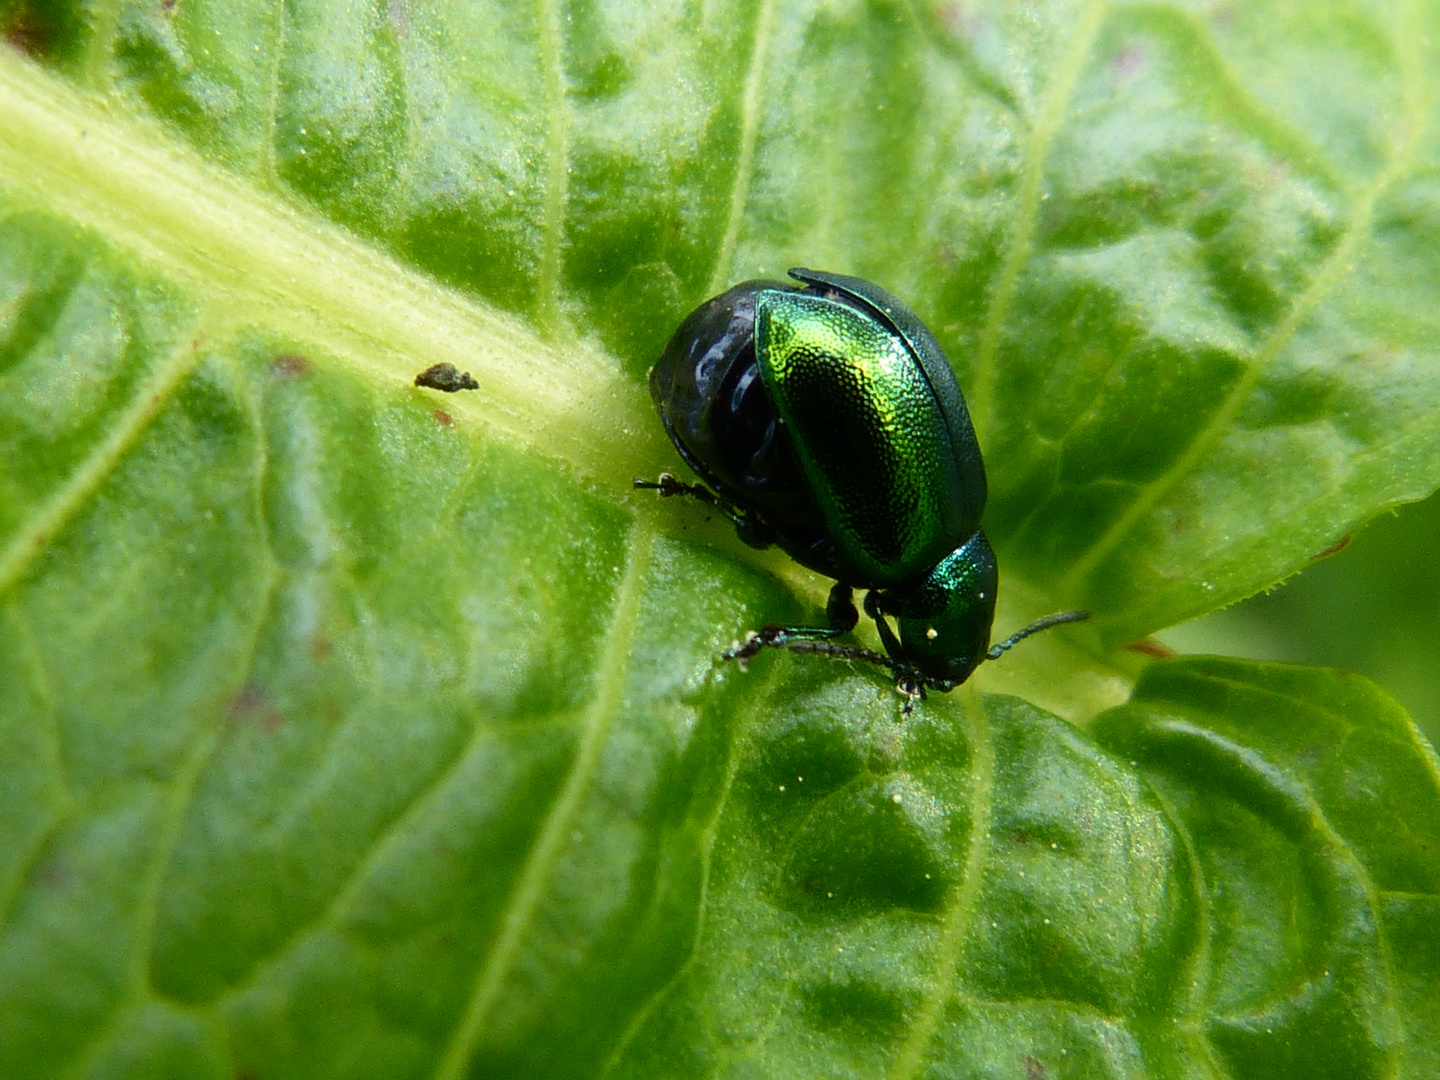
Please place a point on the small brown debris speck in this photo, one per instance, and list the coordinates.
(444, 418)
(446, 378)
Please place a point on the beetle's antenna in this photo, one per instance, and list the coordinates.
(1058, 619)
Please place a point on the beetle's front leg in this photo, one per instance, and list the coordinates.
(842, 616)
(875, 608)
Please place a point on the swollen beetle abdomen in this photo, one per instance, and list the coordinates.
(710, 399)
(717, 411)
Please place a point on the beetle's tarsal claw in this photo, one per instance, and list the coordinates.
(755, 640)
(909, 686)
(667, 485)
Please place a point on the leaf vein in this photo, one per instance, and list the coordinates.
(270, 122)
(1027, 207)
(557, 155)
(549, 843)
(182, 791)
(961, 909)
(706, 846)
(1327, 278)
(749, 128)
(64, 807)
(34, 534)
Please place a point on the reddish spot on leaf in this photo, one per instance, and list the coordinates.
(55, 872)
(963, 25)
(1334, 549)
(251, 705)
(289, 366)
(1128, 62)
(1033, 1069)
(444, 418)
(320, 646)
(27, 30)
(1151, 647)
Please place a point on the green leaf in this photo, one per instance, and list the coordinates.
(1311, 805)
(350, 730)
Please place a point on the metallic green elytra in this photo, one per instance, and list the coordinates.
(825, 418)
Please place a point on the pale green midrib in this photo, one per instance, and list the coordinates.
(557, 152)
(1334, 270)
(529, 891)
(1027, 209)
(259, 262)
(961, 910)
(745, 159)
(46, 521)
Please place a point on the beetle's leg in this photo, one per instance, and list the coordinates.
(912, 685)
(908, 680)
(839, 609)
(875, 609)
(759, 640)
(751, 528)
(669, 484)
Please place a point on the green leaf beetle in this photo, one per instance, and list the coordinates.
(824, 417)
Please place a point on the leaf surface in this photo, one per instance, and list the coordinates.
(347, 729)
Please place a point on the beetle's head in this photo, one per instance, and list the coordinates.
(944, 620)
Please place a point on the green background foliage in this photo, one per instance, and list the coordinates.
(350, 730)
